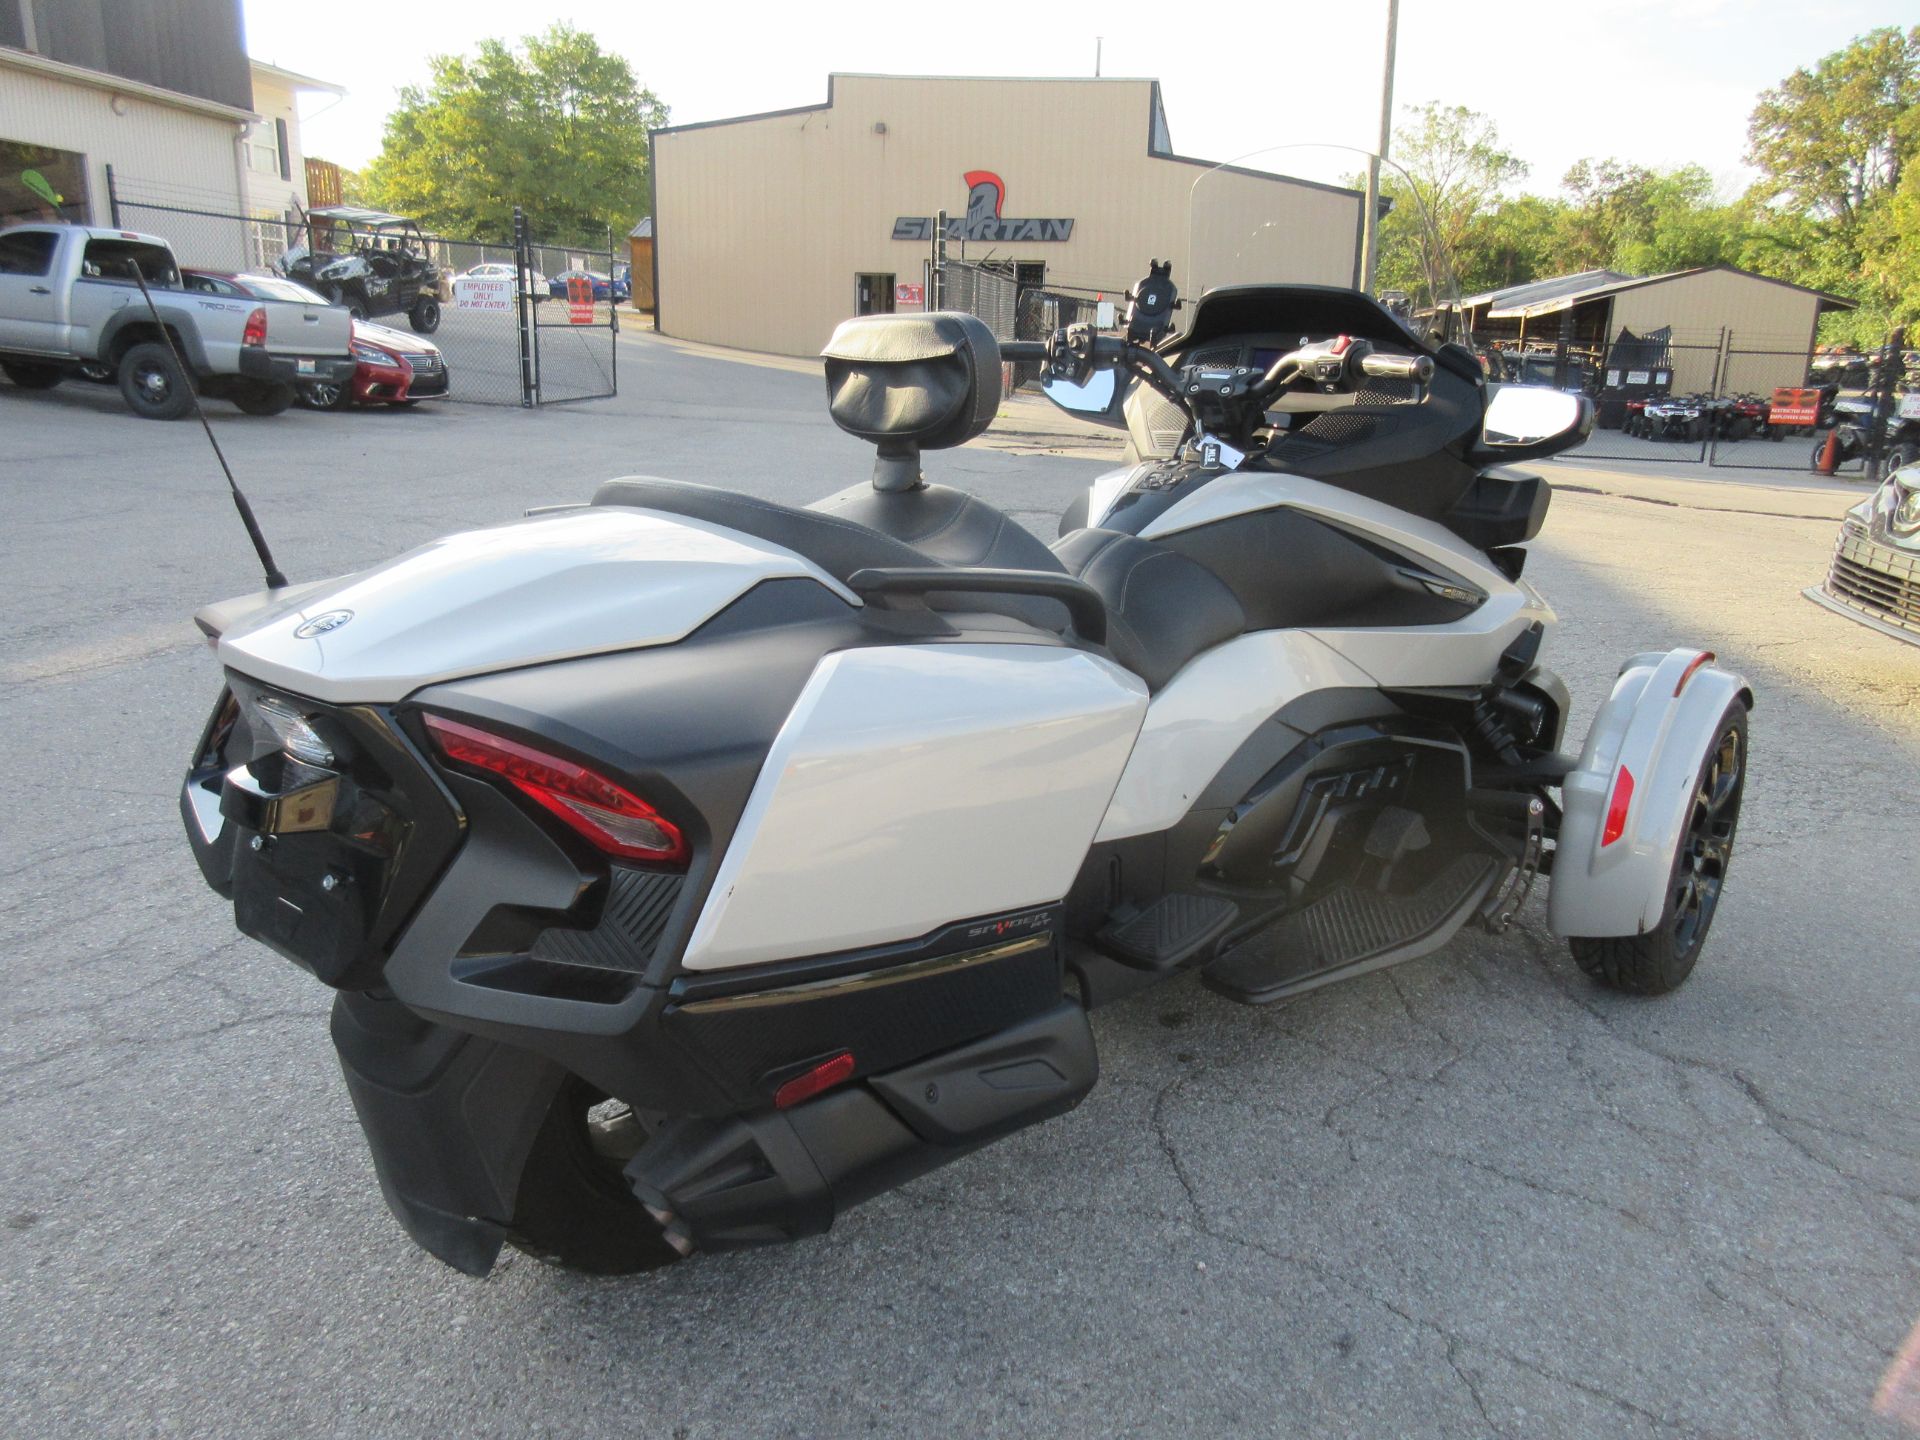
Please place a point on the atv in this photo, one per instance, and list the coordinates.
(369, 261)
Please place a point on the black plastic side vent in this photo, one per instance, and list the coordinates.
(639, 903)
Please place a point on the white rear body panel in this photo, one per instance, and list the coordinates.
(917, 785)
(1206, 712)
(1209, 709)
(581, 582)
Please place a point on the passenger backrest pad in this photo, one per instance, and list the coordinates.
(932, 381)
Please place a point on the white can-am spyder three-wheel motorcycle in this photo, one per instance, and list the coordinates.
(693, 867)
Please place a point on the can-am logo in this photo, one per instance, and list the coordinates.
(986, 194)
(322, 624)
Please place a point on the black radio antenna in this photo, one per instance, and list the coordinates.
(275, 579)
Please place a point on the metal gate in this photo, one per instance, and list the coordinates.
(570, 335)
(536, 339)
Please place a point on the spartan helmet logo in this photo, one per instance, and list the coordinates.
(986, 193)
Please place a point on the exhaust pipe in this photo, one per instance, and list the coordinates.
(778, 1175)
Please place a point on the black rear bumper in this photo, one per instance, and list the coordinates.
(451, 1117)
(277, 369)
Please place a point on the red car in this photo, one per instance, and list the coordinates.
(392, 367)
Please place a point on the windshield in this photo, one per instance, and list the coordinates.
(1290, 214)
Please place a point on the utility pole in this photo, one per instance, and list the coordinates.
(1370, 221)
(1096, 55)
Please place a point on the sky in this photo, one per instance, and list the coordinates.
(1653, 82)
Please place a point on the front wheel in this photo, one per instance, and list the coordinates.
(1902, 455)
(153, 384)
(425, 315)
(575, 1208)
(1661, 959)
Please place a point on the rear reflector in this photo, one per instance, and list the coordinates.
(256, 332)
(1704, 657)
(824, 1076)
(1617, 806)
(609, 817)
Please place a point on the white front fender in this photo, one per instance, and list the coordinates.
(1656, 727)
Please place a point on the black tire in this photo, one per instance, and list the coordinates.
(1661, 959)
(153, 384)
(1740, 428)
(574, 1208)
(29, 376)
(326, 395)
(1905, 453)
(264, 398)
(425, 315)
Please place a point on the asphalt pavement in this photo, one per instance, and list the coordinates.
(1471, 1196)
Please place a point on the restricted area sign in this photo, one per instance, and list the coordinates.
(579, 300)
(1794, 406)
(905, 295)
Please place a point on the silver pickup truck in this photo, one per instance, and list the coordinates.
(69, 301)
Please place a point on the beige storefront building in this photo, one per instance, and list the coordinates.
(770, 229)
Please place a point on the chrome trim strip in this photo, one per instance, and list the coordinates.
(1872, 622)
(867, 980)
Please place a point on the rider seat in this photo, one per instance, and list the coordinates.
(841, 546)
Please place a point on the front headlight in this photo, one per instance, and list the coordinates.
(1898, 503)
(367, 355)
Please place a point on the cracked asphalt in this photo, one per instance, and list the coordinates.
(1472, 1196)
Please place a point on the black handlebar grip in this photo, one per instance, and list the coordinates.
(1417, 368)
(1023, 349)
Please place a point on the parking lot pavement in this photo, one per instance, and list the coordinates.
(1470, 1196)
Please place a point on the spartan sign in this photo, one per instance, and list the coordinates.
(986, 194)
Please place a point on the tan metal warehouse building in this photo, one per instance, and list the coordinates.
(770, 229)
(1751, 332)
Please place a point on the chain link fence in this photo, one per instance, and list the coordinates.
(986, 291)
(525, 339)
(1714, 397)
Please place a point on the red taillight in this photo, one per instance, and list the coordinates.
(612, 819)
(256, 331)
(1617, 805)
(806, 1085)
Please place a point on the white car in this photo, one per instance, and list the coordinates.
(501, 270)
(1875, 574)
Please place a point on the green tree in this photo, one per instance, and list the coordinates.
(1830, 140)
(1452, 170)
(1514, 242)
(1834, 207)
(1890, 258)
(555, 126)
(1644, 222)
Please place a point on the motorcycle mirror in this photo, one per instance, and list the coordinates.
(1094, 396)
(1528, 414)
